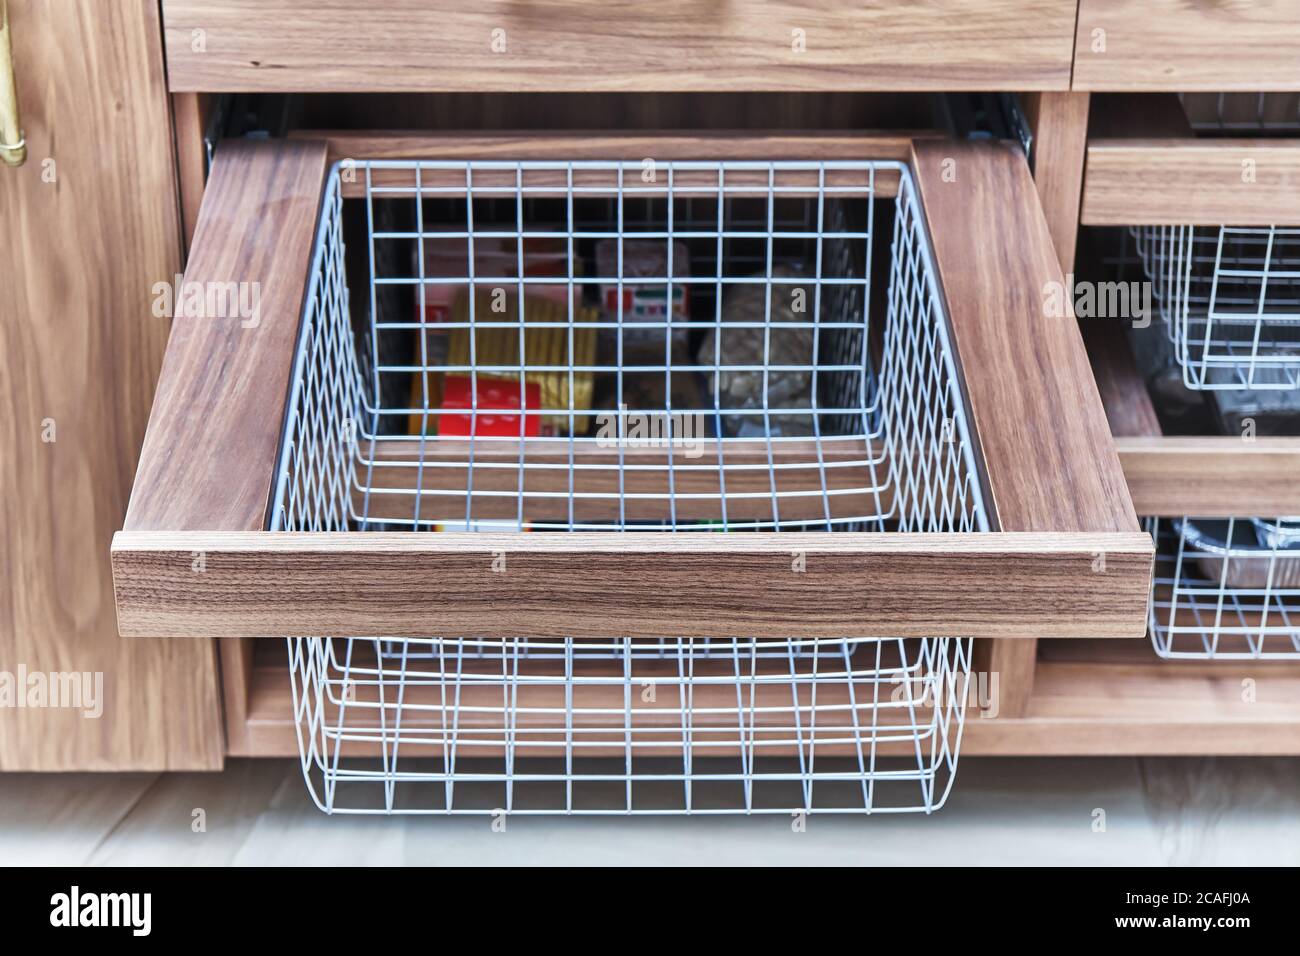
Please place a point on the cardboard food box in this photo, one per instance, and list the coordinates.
(446, 269)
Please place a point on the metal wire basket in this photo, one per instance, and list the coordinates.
(1226, 589)
(1229, 298)
(771, 401)
(1242, 112)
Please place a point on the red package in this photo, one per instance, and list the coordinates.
(498, 408)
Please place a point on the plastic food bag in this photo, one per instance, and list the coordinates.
(753, 349)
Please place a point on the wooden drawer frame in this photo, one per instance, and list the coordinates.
(1051, 474)
(1187, 181)
(1143, 164)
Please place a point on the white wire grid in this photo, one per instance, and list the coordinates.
(673, 725)
(1230, 301)
(1226, 589)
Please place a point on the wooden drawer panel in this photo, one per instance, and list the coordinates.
(1209, 182)
(501, 45)
(1187, 45)
(1219, 476)
(195, 558)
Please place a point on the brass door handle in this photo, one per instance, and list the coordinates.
(13, 148)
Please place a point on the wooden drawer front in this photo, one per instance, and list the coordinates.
(506, 46)
(1187, 45)
(1204, 182)
(997, 422)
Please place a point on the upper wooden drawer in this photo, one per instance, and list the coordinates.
(606, 45)
(1186, 45)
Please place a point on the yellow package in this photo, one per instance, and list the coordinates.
(546, 343)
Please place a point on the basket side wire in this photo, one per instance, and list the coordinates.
(1226, 589)
(1229, 298)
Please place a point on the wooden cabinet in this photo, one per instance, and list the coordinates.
(95, 224)
(213, 446)
(91, 224)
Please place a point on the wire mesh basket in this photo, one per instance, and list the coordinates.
(543, 347)
(1242, 112)
(1226, 589)
(1229, 298)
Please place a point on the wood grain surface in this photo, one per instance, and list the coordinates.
(1059, 122)
(1185, 45)
(660, 146)
(746, 480)
(1014, 665)
(1119, 383)
(1049, 460)
(1235, 182)
(209, 455)
(487, 45)
(1117, 697)
(1215, 476)
(637, 583)
(190, 114)
(91, 223)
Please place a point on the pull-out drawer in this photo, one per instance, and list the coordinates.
(1216, 224)
(617, 45)
(924, 455)
(1227, 576)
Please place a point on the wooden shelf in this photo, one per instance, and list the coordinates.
(597, 702)
(1090, 698)
(1117, 697)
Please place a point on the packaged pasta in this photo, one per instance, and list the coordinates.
(549, 356)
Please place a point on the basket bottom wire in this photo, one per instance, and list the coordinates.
(631, 726)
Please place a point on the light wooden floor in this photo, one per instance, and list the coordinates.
(1002, 811)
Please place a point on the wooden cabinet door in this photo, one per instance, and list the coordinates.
(90, 225)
